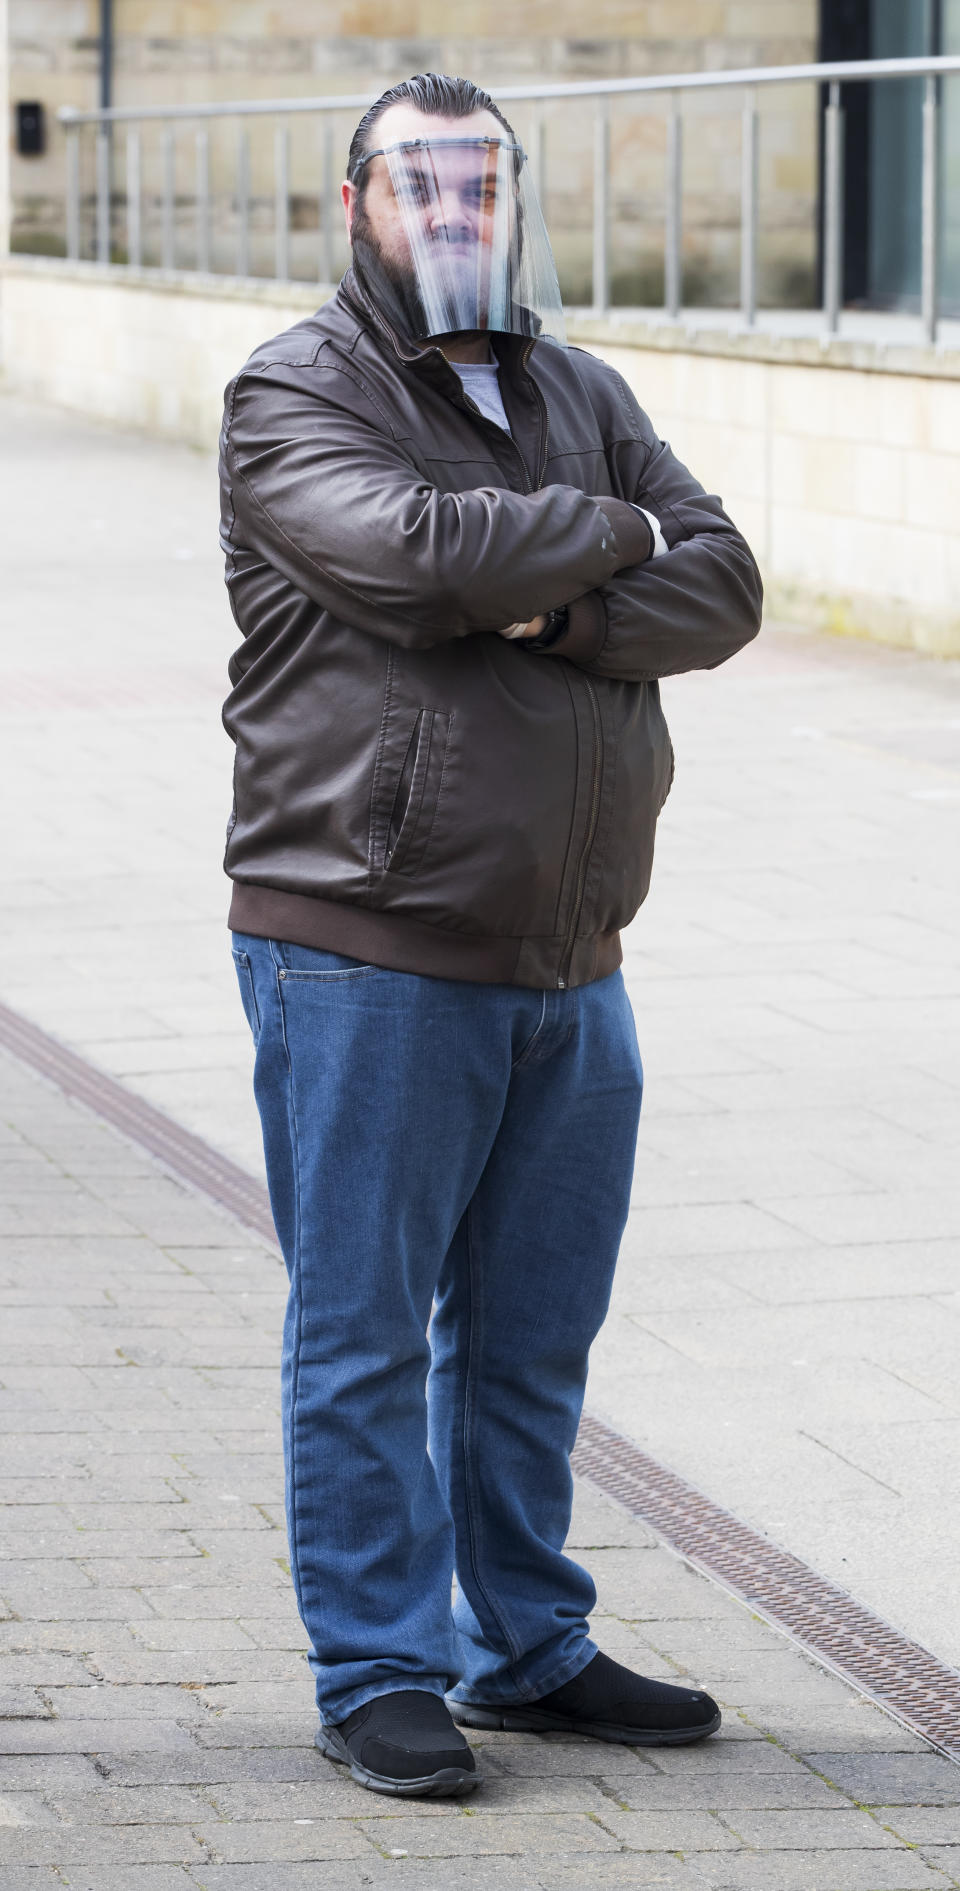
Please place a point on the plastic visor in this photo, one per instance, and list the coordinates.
(477, 254)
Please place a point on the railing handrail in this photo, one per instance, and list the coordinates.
(833, 71)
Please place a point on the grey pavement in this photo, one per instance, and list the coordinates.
(155, 1714)
(786, 1322)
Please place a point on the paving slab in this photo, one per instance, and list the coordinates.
(159, 1729)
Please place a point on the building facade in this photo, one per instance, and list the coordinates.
(192, 51)
(163, 52)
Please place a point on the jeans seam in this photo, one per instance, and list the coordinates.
(470, 1506)
(295, 1287)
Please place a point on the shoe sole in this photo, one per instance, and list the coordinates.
(528, 1720)
(445, 1784)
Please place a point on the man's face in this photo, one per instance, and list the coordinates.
(446, 199)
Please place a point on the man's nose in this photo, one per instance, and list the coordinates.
(451, 214)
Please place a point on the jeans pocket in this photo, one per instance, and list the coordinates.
(312, 962)
(248, 996)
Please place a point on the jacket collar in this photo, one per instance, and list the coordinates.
(429, 362)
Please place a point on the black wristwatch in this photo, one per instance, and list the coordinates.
(552, 631)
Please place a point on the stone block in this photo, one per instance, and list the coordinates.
(848, 1871)
(476, 1834)
(233, 1842)
(91, 1736)
(327, 1793)
(101, 1877)
(558, 1756)
(945, 1858)
(811, 1830)
(340, 1876)
(194, 1604)
(188, 1633)
(729, 1793)
(23, 1703)
(50, 1772)
(68, 1845)
(241, 1730)
(620, 1872)
(923, 1826)
(879, 482)
(95, 1702)
(906, 1778)
(680, 1829)
(932, 490)
(132, 1805)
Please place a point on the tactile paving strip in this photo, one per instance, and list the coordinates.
(901, 1676)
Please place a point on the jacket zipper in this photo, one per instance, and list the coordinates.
(584, 862)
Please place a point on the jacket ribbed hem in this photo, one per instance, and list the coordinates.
(399, 944)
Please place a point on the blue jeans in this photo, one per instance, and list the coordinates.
(465, 1147)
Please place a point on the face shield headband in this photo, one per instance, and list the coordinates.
(463, 245)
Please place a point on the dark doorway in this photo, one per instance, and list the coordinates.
(883, 149)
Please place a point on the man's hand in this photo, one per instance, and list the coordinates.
(532, 629)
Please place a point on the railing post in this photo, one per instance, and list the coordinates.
(281, 181)
(168, 256)
(748, 211)
(833, 212)
(203, 201)
(601, 207)
(134, 201)
(931, 204)
(673, 265)
(73, 191)
(328, 209)
(243, 203)
(103, 193)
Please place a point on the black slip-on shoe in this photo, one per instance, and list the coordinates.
(403, 1743)
(607, 1702)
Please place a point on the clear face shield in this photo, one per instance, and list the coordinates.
(463, 245)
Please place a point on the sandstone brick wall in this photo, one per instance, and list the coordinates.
(231, 49)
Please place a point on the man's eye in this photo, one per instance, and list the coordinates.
(414, 190)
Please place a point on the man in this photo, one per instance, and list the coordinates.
(439, 526)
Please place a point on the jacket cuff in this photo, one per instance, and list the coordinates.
(586, 631)
(631, 530)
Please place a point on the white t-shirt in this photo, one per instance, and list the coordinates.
(481, 381)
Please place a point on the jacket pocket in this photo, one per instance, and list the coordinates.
(417, 793)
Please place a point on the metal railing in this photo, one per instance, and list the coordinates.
(673, 87)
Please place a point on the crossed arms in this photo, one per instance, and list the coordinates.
(325, 492)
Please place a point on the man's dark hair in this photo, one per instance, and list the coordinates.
(434, 94)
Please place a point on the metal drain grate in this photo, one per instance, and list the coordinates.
(907, 1680)
(897, 1673)
(187, 1157)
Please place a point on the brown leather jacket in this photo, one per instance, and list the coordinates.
(410, 787)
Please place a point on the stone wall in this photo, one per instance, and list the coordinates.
(242, 49)
(840, 460)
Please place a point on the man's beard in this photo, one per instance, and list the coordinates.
(393, 285)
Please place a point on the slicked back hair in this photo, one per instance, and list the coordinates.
(433, 93)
